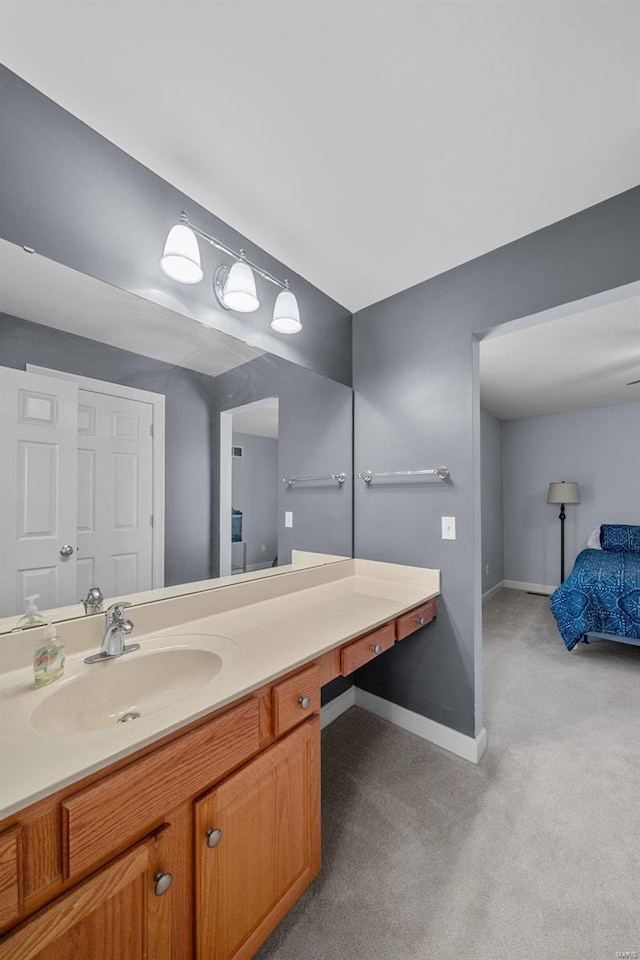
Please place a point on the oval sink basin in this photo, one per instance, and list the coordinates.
(135, 685)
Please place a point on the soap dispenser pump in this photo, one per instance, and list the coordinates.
(48, 657)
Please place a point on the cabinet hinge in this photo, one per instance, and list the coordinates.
(151, 519)
(151, 430)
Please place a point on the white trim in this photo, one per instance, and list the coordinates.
(469, 748)
(490, 592)
(476, 512)
(532, 587)
(157, 401)
(336, 707)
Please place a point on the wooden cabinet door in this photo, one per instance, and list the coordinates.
(267, 850)
(108, 916)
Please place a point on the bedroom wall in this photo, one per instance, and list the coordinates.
(600, 448)
(491, 504)
(417, 404)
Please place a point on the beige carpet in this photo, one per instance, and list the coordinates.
(532, 854)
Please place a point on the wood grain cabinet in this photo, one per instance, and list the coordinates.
(257, 846)
(107, 916)
(201, 842)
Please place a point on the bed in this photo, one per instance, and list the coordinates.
(600, 599)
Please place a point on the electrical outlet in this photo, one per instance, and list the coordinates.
(448, 528)
(264, 547)
(288, 518)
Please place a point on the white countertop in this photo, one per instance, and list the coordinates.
(274, 626)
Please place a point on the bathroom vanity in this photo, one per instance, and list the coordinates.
(192, 828)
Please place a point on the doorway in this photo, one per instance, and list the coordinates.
(84, 464)
(249, 487)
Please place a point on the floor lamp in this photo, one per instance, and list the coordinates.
(562, 493)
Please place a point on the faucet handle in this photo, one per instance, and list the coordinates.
(114, 612)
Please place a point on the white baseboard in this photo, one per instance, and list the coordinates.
(332, 710)
(469, 748)
(532, 587)
(487, 596)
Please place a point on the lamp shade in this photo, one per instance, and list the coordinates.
(563, 492)
(239, 291)
(181, 257)
(286, 316)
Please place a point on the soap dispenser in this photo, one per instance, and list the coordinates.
(48, 657)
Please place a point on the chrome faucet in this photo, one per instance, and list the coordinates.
(117, 627)
(93, 601)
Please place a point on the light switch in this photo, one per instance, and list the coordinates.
(448, 528)
(288, 518)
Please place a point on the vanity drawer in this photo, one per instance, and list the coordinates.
(359, 652)
(419, 617)
(113, 813)
(295, 699)
(10, 879)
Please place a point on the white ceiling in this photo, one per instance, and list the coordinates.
(570, 363)
(259, 419)
(367, 145)
(48, 293)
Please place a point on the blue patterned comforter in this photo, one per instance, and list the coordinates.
(600, 595)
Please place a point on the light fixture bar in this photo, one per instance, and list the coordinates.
(240, 255)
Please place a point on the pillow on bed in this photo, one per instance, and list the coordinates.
(620, 538)
(593, 543)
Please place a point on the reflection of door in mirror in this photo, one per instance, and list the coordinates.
(78, 463)
(251, 514)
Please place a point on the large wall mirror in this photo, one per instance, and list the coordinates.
(150, 455)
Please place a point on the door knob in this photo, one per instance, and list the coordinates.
(214, 836)
(305, 702)
(161, 882)
(376, 648)
(66, 550)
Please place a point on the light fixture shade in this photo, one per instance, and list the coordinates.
(563, 492)
(239, 291)
(286, 316)
(181, 257)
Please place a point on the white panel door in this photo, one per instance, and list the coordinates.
(115, 494)
(38, 490)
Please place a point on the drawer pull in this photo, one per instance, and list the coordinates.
(376, 648)
(305, 702)
(214, 836)
(161, 883)
(422, 621)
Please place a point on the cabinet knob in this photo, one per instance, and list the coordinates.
(161, 882)
(214, 836)
(422, 621)
(376, 648)
(305, 702)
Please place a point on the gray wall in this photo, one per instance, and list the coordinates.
(75, 197)
(417, 404)
(492, 508)
(254, 489)
(315, 428)
(600, 448)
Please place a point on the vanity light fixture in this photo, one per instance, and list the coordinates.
(286, 316)
(181, 257)
(234, 286)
